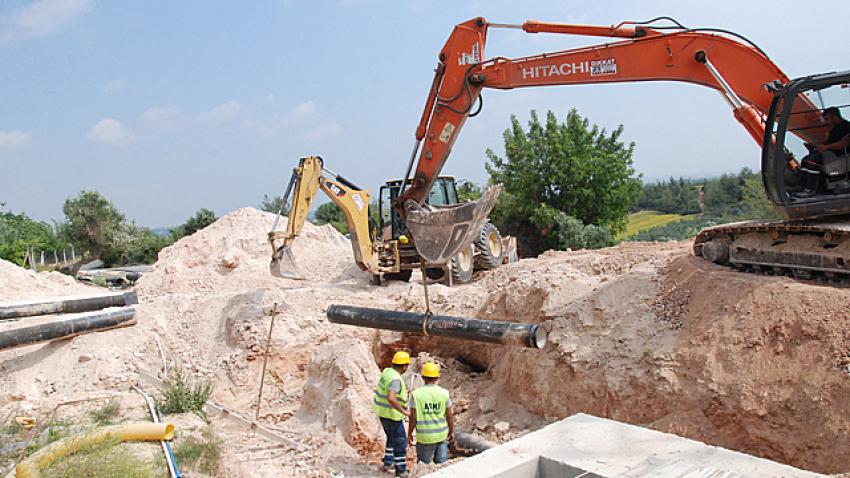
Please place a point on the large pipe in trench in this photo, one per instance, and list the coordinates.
(68, 306)
(63, 329)
(491, 331)
(470, 444)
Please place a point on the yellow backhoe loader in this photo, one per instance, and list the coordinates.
(385, 250)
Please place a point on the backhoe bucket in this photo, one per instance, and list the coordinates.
(440, 232)
(283, 264)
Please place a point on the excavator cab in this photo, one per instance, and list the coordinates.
(794, 124)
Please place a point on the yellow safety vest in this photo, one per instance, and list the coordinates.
(431, 425)
(381, 404)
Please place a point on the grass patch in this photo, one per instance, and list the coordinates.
(105, 414)
(100, 460)
(645, 220)
(678, 230)
(181, 397)
(203, 455)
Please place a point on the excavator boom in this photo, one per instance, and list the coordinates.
(737, 69)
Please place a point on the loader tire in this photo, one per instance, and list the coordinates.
(463, 264)
(491, 252)
(434, 273)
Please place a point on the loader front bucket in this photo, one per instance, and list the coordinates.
(283, 264)
(440, 232)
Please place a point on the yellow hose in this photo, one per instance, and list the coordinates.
(133, 431)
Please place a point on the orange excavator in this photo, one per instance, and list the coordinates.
(811, 242)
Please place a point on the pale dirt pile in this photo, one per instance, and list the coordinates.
(643, 333)
(648, 334)
(19, 285)
(203, 302)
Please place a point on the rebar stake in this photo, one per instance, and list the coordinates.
(265, 360)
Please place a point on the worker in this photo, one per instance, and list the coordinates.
(838, 139)
(837, 142)
(390, 404)
(431, 417)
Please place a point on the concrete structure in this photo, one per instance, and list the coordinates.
(590, 447)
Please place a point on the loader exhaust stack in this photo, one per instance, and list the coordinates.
(491, 331)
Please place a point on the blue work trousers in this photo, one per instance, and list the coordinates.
(436, 452)
(395, 452)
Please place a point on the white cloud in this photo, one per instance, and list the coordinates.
(40, 18)
(222, 113)
(114, 85)
(161, 116)
(304, 108)
(13, 139)
(323, 132)
(110, 131)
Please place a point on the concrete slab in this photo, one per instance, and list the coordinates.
(589, 447)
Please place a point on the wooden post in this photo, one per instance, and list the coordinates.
(265, 360)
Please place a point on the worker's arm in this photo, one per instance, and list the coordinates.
(450, 417)
(391, 397)
(411, 426)
(840, 144)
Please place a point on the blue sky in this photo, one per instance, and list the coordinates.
(166, 107)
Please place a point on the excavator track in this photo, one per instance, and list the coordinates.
(814, 250)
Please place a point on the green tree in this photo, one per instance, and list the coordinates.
(143, 245)
(19, 233)
(203, 218)
(557, 171)
(330, 213)
(274, 204)
(755, 204)
(469, 191)
(93, 224)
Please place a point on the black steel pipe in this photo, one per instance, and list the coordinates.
(68, 306)
(63, 329)
(491, 331)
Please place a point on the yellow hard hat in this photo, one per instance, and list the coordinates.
(431, 370)
(401, 358)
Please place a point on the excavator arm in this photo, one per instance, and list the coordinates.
(728, 63)
(308, 178)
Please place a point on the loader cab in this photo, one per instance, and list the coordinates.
(443, 193)
(794, 119)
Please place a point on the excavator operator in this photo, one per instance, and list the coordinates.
(837, 142)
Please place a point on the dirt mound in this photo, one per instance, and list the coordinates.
(641, 332)
(19, 284)
(233, 251)
(338, 393)
(649, 334)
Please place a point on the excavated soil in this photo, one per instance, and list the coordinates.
(642, 332)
